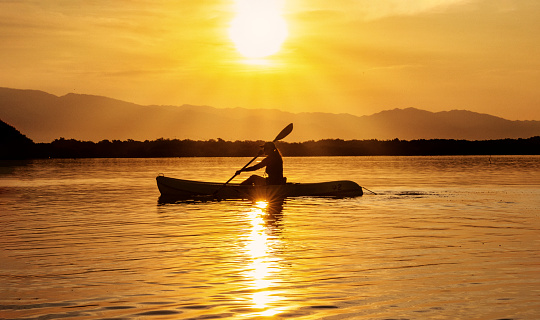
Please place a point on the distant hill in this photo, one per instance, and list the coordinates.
(14, 145)
(45, 117)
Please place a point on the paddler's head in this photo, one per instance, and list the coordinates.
(268, 147)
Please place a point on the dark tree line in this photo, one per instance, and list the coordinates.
(15, 145)
(62, 148)
(396, 147)
(69, 148)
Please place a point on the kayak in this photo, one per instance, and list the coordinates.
(188, 189)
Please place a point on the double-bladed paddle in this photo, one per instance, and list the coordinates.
(285, 132)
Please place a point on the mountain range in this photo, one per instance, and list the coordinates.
(44, 117)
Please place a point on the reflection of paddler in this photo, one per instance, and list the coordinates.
(274, 214)
(274, 167)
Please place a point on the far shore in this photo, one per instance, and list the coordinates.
(70, 148)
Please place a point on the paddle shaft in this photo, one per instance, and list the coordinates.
(240, 170)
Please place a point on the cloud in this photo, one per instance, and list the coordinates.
(379, 9)
(85, 32)
(372, 10)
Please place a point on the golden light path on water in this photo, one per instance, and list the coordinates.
(263, 268)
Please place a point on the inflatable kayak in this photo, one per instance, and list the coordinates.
(188, 189)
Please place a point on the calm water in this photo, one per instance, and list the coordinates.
(444, 238)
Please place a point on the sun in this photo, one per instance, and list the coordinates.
(258, 30)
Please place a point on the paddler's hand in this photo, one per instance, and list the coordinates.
(238, 172)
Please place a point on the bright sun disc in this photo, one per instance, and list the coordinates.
(258, 30)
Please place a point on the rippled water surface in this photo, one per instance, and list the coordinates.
(443, 238)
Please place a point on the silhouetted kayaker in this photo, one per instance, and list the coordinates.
(274, 167)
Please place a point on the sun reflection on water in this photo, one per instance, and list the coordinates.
(263, 268)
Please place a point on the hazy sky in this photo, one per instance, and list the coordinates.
(352, 56)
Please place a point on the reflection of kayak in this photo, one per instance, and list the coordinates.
(170, 187)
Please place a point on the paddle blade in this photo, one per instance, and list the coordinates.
(285, 132)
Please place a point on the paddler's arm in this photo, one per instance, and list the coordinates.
(258, 166)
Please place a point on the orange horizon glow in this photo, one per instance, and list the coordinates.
(357, 57)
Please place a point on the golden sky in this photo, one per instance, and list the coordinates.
(343, 56)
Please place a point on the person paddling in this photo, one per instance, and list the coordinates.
(274, 167)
